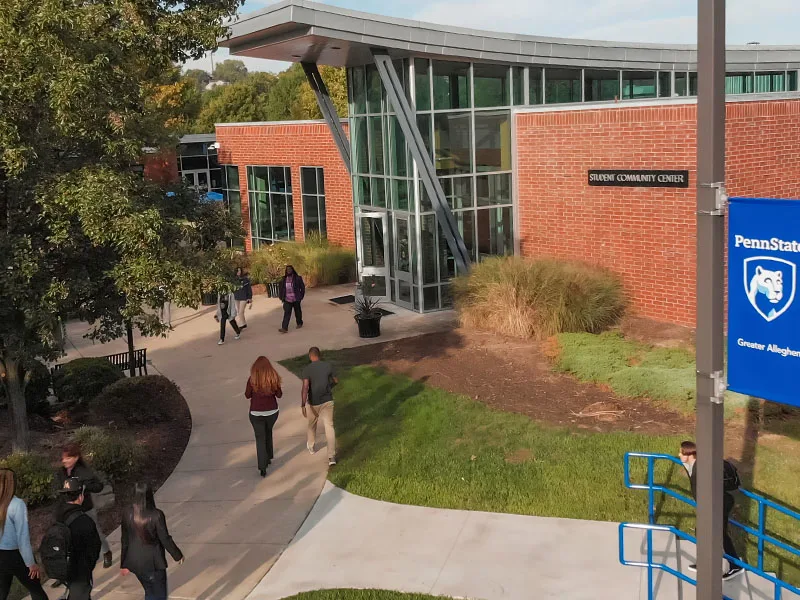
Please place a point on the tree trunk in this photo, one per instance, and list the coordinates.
(129, 330)
(20, 433)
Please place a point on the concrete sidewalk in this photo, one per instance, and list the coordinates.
(232, 524)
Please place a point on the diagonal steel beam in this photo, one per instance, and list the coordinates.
(427, 171)
(328, 111)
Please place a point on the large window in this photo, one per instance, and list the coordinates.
(492, 87)
(562, 85)
(312, 181)
(450, 85)
(271, 211)
(232, 195)
(638, 84)
(601, 85)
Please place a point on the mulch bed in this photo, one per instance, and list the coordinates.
(162, 443)
(516, 376)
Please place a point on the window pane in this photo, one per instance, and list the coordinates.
(518, 81)
(216, 178)
(601, 85)
(428, 240)
(792, 83)
(376, 145)
(320, 180)
(423, 84)
(770, 82)
(494, 189)
(264, 216)
(638, 84)
(252, 202)
(235, 204)
(398, 162)
(495, 233)
(458, 191)
(424, 125)
(466, 225)
(453, 150)
(562, 85)
(280, 217)
(362, 189)
(693, 84)
(308, 180)
(372, 245)
(403, 246)
(491, 86)
(425, 204)
(258, 179)
(277, 179)
(374, 90)
(359, 90)
(232, 177)
(447, 296)
(664, 84)
(493, 141)
(213, 160)
(447, 264)
(430, 298)
(378, 192)
(323, 218)
(358, 132)
(310, 214)
(400, 194)
(680, 84)
(450, 85)
(535, 85)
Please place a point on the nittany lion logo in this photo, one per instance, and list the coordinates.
(770, 285)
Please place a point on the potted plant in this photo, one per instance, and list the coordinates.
(368, 316)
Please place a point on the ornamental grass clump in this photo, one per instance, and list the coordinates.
(538, 298)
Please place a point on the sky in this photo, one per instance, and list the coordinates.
(669, 21)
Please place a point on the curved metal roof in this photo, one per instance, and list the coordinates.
(298, 30)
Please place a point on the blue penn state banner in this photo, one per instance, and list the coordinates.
(763, 304)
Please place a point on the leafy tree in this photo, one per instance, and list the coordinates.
(199, 77)
(230, 71)
(282, 105)
(335, 79)
(79, 95)
(247, 100)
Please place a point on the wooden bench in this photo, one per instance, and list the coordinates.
(122, 362)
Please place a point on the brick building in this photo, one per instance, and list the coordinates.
(504, 132)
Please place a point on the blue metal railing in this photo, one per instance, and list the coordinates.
(652, 487)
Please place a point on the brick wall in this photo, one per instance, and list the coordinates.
(161, 167)
(294, 145)
(647, 235)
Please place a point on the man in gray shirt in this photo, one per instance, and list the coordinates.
(318, 380)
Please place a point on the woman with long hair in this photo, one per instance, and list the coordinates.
(73, 465)
(263, 390)
(144, 539)
(291, 291)
(16, 554)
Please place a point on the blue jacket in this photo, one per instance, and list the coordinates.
(16, 535)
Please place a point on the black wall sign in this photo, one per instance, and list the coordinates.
(618, 178)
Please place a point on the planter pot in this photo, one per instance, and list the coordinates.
(209, 299)
(369, 327)
(273, 289)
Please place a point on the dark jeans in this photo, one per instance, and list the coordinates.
(287, 313)
(223, 323)
(262, 427)
(80, 590)
(154, 584)
(727, 542)
(12, 565)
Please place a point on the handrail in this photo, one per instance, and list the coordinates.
(760, 533)
(779, 584)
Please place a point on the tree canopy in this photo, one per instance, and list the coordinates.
(84, 87)
(230, 71)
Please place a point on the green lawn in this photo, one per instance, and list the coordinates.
(362, 595)
(402, 441)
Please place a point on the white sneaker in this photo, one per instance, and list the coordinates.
(331, 462)
(310, 448)
(238, 335)
(219, 343)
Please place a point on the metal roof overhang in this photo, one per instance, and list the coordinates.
(302, 31)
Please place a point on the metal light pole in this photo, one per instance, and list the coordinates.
(711, 202)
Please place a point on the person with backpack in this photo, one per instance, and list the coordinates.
(731, 483)
(16, 554)
(71, 547)
(73, 465)
(144, 539)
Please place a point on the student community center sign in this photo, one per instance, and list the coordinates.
(763, 304)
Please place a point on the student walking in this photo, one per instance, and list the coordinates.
(318, 381)
(73, 465)
(226, 313)
(688, 456)
(144, 539)
(263, 390)
(16, 554)
(291, 291)
(243, 297)
(84, 541)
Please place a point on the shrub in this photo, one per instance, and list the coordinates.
(37, 390)
(268, 263)
(115, 455)
(33, 476)
(83, 379)
(137, 400)
(538, 298)
(316, 259)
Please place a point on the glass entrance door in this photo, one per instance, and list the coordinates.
(197, 179)
(373, 235)
(403, 264)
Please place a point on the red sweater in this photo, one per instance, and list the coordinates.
(261, 401)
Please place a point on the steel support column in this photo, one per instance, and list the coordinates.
(711, 203)
(328, 111)
(427, 171)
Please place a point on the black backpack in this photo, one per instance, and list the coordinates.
(56, 548)
(730, 477)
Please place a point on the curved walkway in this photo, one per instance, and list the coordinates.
(232, 524)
